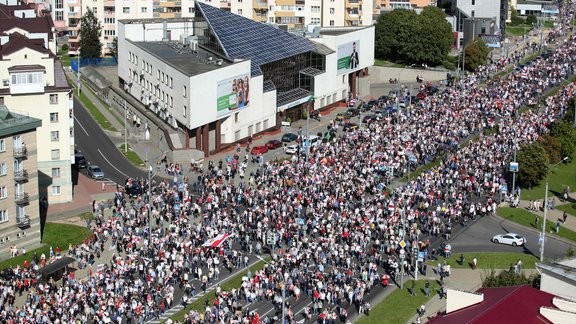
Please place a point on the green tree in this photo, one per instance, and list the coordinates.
(476, 54)
(531, 19)
(552, 146)
(90, 30)
(114, 50)
(566, 135)
(533, 163)
(507, 278)
(569, 117)
(404, 36)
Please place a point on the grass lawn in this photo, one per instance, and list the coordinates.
(234, 282)
(65, 58)
(96, 114)
(561, 176)
(529, 58)
(488, 260)
(424, 168)
(518, 30)
(569, 208)
(378, 62)
(55, 235)
(131, 155)
(526, 218)
(400, 306)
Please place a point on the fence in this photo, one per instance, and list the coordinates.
(101, 61)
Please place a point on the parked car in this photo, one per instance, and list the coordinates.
(261, 149)
(289, 137)
(353, 112)
(343, 116)
(291, 149)
(273, 144)
(95, 172)
(510, 239)
(369, 118)
(79, 159)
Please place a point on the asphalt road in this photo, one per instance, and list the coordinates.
(99, 149)
(476, 238)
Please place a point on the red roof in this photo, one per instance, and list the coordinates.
(519, 304)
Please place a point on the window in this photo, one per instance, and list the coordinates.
(54, 117)
(55, 154)
(59, 16)
(2, 145)
(55, 172)
(27, 78)
(108, 32)
(56, 191)
(3, 169)
(473, 2)
(3, 193)
(190, 10)
(315, 9)
(331, 22)
(239, 11)
(315, 21)
(59, 4)
(126, 10)
(236, 117)
(184, 92)
(184, 110)
(55, 136)
(3, 216)
(109, 20)
(332, 11)
(473, 13)
(1, 100)
(54, 99)
(171, 82)
(95, 9)
(145, 9)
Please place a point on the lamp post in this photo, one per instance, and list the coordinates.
(403, 237)
(126, 128)
(543, 235)
(78, 71)
(149, 209)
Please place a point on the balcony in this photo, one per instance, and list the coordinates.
(20, 152)
(23, 221)
(259, 4)
(262, 17)
(225, 5)
(21, 176)
(352, 3)
(74, 14)
(22, 198)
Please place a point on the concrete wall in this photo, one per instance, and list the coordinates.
(382, 74)
(565, 304)
(556, 286)
(557, 316)
(457, 299)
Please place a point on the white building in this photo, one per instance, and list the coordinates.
(33, 82)
(559, 278)
(220, 77)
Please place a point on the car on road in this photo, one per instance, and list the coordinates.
(291, 149)
(289, 137)
(79, 159)
(273, 144)
(509, 239)
(353, 112)
(261, 149)
(369, 118)
(95, 172)
(134, 190)
(343, 116)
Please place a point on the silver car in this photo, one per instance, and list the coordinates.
(95, 172)
(510, 239)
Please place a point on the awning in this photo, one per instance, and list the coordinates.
(56, 265)
(216, 241)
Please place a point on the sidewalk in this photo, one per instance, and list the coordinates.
(553, 215)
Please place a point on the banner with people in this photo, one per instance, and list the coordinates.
(348, 57)
(233, 94)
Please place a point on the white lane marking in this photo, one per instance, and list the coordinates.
(84, 129)
(115, 168)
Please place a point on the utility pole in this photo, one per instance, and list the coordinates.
(403, 237)
(149, 168)
(126, 128)
(514, 173)
(543, 234)
(417, 253)
(78, 71)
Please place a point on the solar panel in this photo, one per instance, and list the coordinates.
(243, 38)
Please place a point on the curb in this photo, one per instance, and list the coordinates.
(551, 235)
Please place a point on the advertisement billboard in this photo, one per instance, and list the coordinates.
(348, 57)
(233, 94)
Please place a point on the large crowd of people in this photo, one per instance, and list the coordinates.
(336, 226)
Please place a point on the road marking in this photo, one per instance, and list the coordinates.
(84, 129)
(112, 165)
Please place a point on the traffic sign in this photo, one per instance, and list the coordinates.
(504, 188)
(403, 245)
(412, 158)
(402, 253)
(420, 256)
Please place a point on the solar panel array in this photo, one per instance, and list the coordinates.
(243, 38)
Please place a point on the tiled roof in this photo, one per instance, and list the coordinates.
(18, 41)
(32, 67)
(43, 24)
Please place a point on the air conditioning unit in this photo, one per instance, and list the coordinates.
(6, 82)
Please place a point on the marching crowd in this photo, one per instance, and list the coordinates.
(336, 229)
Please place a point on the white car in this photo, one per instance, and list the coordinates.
(291, 149)
(510, 239)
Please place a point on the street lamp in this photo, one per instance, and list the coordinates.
(78, 54)
(543, 235)
(125, 127)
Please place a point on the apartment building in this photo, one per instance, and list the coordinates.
(19, 209)
(33, 82)
(388, 5)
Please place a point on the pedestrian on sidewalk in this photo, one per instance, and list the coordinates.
(474, 263)
(536, 219)
(558, 226)
(427, 287)
(564, 216)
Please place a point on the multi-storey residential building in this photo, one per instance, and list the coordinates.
(33, 81)
(19, 210)
(387, 5)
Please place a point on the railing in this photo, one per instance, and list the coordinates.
(73, 14)
(23, 221)
(21, 175)
(20, 152)
(22, 198)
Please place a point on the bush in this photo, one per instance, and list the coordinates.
(531, 19)
(507, 278)
(449, 65)
(65, 47)
(516, 21)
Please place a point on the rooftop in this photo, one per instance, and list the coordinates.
(337, 31)
(43, 24)
(562, 270)
(13, 123)
(185, 60)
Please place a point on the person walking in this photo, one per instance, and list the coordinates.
(427, 288)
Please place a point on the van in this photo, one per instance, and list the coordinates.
(313, 140)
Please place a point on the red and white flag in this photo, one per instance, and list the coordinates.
(216, 241)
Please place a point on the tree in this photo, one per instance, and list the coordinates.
(476, 54)
(90, 30)
(533, 163)
(114, 50)
(552, 146)
(531, 19)
(566, 135)
(403, 35)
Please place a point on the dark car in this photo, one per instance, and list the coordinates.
(79, 159)
(366, 107)
(369, 118)
(273, 144)
(343, 116)
(134, 190)
(259, 150)
(353, 112)
(289, 137)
